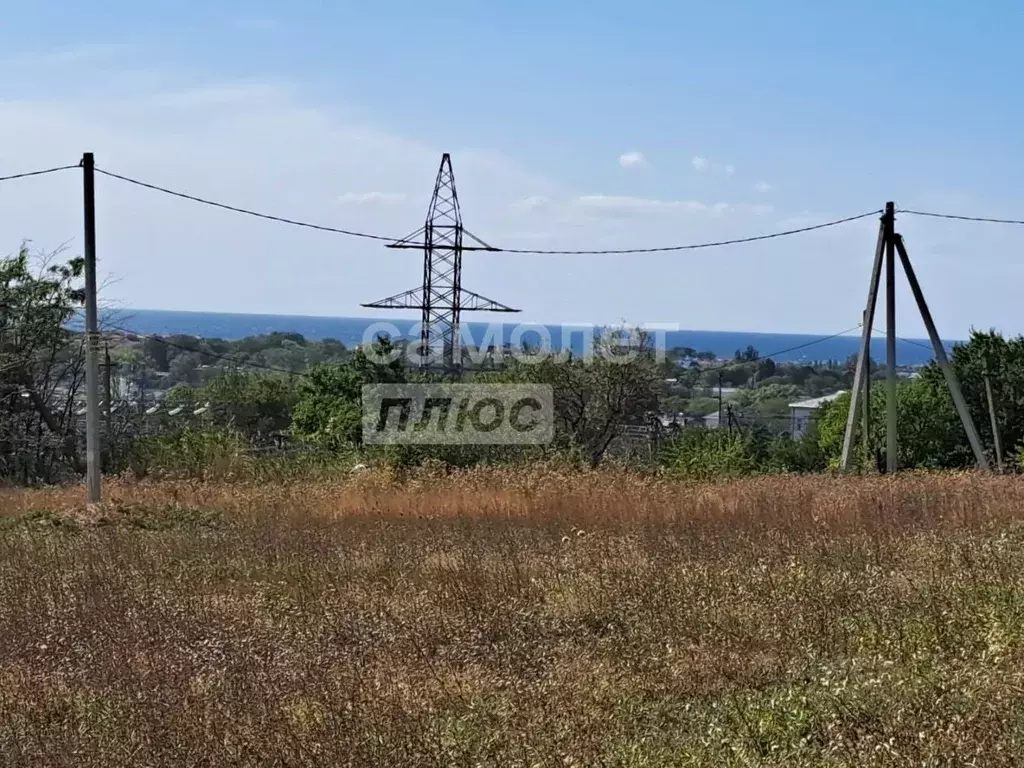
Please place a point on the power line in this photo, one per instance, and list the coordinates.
(247, 212)
(881, 332)
(770, 355)
(38, 173)
(352, 233)
(958, 217)
(695, 246)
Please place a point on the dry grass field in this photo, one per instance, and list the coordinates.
(511, 618)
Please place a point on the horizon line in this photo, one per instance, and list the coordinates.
(484, 322)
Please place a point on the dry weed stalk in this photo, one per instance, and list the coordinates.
(461, 620)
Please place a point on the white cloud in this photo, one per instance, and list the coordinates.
(533, 203)
(633, 160)
(257, 146)
(364, 198)
(730, 170)
(270, 147)
(700, 163)
(763, 186)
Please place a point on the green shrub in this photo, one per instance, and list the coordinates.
(705, 454)
(189, 453)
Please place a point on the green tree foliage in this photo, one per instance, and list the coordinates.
(784, 454)
(188, 453)
(748, 355)
(328, 409)
(707, 454)
(768, 402)
(594, 397)
(1004, 360)
(930, 434)
(251, 403)
(734, 375)
(704, 454)
(157, 352)
(192, 360)
(766, 368)
(41, 366)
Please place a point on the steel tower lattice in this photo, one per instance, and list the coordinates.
(441, 298)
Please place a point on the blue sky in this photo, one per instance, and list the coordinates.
(571, 125)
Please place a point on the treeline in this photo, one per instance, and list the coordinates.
(162, 362)
(598, 401)
(221, 413)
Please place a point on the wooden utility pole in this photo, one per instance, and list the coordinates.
(92, 389)
(997, 442)
(891, 443)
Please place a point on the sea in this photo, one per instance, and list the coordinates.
(352, 331)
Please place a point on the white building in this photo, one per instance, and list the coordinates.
(800, 414)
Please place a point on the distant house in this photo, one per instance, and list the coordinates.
(801, 414)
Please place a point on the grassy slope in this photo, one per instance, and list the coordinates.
(464, 621)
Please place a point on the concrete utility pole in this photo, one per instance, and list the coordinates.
(866, 427)
(889, 243)
(92, 383)
(862, 374)
(998, 443)
(891, 443)
(952, 383)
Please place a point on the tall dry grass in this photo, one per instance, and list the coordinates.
(511, 617)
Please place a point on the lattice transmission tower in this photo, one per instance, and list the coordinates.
(441, 298)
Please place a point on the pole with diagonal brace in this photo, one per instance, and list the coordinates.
(890, 243)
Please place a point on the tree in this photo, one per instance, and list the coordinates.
(594, 397)
(41, 366)
(1004, 360)
(288, 355)
(765, 369)
(689, 352)
(930, 435)
(747, 355)
(254, 404)
(328, 409)
(156, 350)
(732, 375)
(184, 368)
(930, 431)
